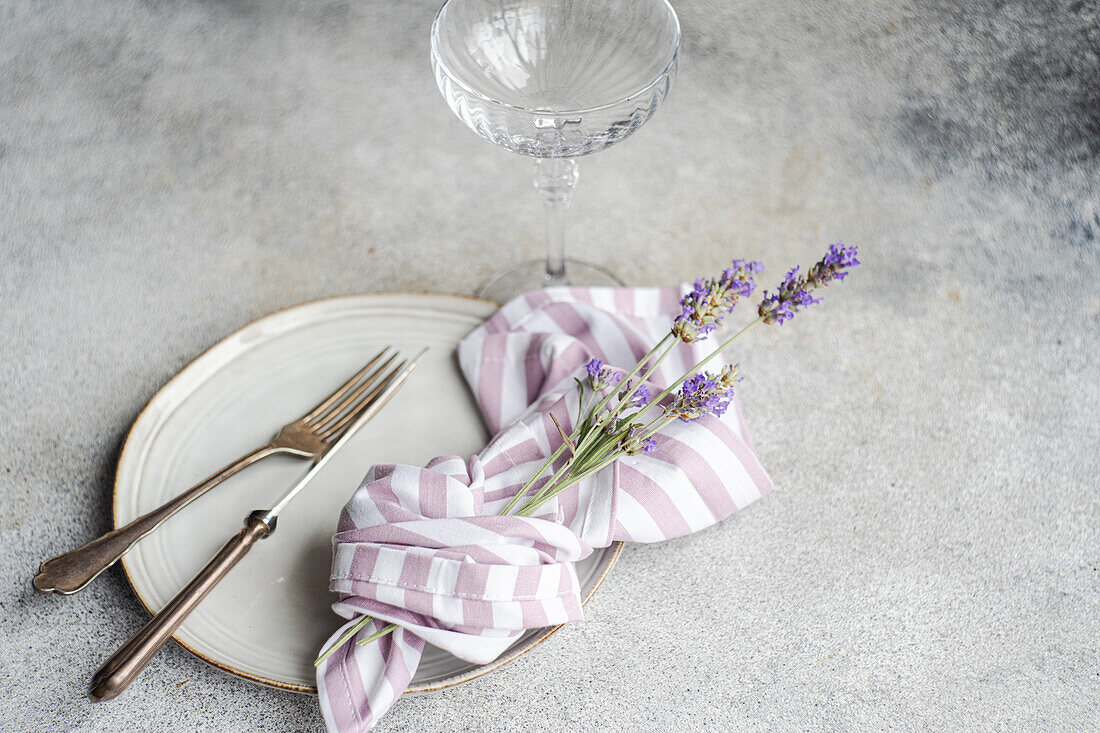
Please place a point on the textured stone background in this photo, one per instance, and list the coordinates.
(931, 560)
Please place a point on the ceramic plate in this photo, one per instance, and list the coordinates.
(269, 618)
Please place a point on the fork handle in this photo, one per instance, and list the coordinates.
(116, 674)
(72, 571)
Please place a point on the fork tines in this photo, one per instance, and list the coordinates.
(340, 410)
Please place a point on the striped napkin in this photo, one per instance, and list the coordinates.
(424, 547)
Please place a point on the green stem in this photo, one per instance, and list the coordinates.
(690, 372)
(632, 372)
(536, 502)
(527, 486)
(544, 496)
(541, 498)
(343, 639)
(599, 452)
(568, 464)
(649, 372)
(592, 435)
(654, 427)
(377, 634)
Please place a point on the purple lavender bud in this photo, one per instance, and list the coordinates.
(840, 256)
(701, 394)
(710, 301)
(632, 444)
(601, 376)
(794, 294)
(834, 265)
(642, 396)
(730, 375)
(649, 445)
(691, 384)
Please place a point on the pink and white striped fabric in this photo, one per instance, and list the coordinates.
(425, 547)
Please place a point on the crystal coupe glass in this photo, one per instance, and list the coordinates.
(554, 79)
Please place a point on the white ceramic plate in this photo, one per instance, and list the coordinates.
(269, 617)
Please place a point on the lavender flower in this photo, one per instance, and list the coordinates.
(710, 301)
(641, 397)
(791, 297)
(701, 394)
(834, 265)
(601, 376)
(794, 292)
(632, 443)
(730, 375)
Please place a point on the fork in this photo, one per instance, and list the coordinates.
(308, 437)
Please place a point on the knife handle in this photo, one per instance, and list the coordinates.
(116, 674)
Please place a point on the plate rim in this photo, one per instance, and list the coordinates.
(513, 653)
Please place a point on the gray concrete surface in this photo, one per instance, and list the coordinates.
(931, 560)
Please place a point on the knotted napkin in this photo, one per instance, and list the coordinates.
(425, 548)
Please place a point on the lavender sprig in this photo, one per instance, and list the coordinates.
(600, 376)
(710, 301)
(701, 394)
(794, 292)
(834, 265)
(603, 433)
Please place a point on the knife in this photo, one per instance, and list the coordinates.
(116, 674)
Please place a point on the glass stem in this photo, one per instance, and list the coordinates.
(555, 179)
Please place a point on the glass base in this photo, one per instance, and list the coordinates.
(504, 285)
